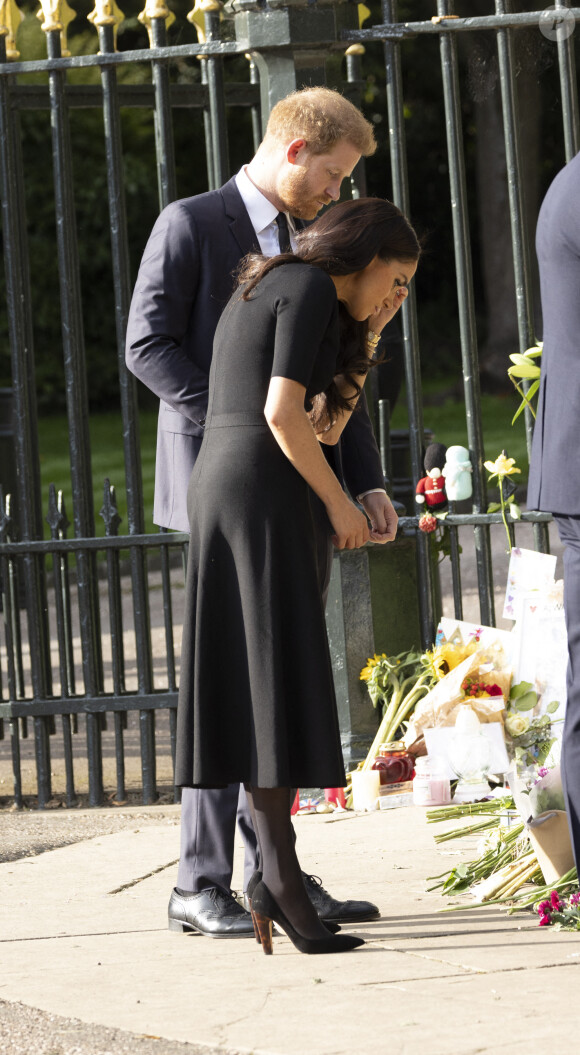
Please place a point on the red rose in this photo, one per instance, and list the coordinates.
(427, 523)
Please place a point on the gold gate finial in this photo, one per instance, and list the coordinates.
(107, 13)
(56, 14)
(10, 18)
(197, 19)
(155, 9)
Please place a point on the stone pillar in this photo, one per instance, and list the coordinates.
(290, 42)
(349, 622)
(372, 607)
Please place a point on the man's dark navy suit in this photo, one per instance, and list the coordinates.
(554, 483)
(185, 279)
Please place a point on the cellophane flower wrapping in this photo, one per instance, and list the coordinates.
(546, 793)
(488, 668)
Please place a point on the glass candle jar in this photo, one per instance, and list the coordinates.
(431, 785)
(394, 763)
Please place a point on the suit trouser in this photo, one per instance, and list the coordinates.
(208, 816)
(569, 531)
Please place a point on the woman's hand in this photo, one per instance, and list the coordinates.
(379, 321)
(351, 529)
(285, 414)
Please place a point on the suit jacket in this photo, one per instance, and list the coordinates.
(185, 279)
(554, 483)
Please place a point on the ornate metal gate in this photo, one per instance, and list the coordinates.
(57, 578)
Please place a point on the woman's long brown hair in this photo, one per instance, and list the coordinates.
(344, 240)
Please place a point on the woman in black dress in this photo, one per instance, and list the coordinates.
(256, 701)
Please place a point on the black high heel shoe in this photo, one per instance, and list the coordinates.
(265, 911)
(333, 928)
(255, 879)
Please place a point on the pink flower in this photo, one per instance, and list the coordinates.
(555, 901)
(544, 908)
(575, 899)
(545, 921)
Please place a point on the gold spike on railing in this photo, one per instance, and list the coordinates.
(56, 14)
(155, 9)
(10, 18)
(355, 49)
(107, 13)
(197, 17)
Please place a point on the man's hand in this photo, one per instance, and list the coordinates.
(379, 509)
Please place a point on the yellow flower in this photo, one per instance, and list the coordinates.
(366, 672)
(446, 657)
(502, 466)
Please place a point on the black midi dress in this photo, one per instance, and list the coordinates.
(256, 699)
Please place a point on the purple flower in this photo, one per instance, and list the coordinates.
(545, 921)
(555, 901)
(575, 899)
(544, 908)
(543, 771)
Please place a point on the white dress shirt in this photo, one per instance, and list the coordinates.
(263, 215)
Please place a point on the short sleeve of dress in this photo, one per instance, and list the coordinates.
(307, 335)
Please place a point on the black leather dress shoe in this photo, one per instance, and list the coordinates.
(331, 910)
(211, 912)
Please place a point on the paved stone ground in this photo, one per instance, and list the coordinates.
(27, 1031)
(83, 940)
(28, 833)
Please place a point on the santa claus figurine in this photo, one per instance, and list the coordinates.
(430, 491)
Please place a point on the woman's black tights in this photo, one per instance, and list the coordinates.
(270, 809)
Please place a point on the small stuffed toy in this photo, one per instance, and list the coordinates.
(457, 472)
(430, 491)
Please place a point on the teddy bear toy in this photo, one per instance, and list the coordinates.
(430, 491)
(457, 474)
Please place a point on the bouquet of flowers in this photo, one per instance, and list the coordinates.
(561, 914)
(529, 736)
(395, 683)
(474, 674)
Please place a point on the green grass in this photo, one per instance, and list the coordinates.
(106, 459)
(443, 415)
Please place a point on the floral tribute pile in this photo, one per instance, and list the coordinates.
(416, 691)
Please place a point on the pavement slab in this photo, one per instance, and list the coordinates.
(83, 937)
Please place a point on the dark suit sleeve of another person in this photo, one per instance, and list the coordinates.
(159, 332)
(359, 454)
(554, 480)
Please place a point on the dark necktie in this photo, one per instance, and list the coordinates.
(283, 233)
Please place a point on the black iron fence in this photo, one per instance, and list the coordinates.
(69, 637)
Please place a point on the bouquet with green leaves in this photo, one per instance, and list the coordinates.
(396, 684)
(529, 737)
